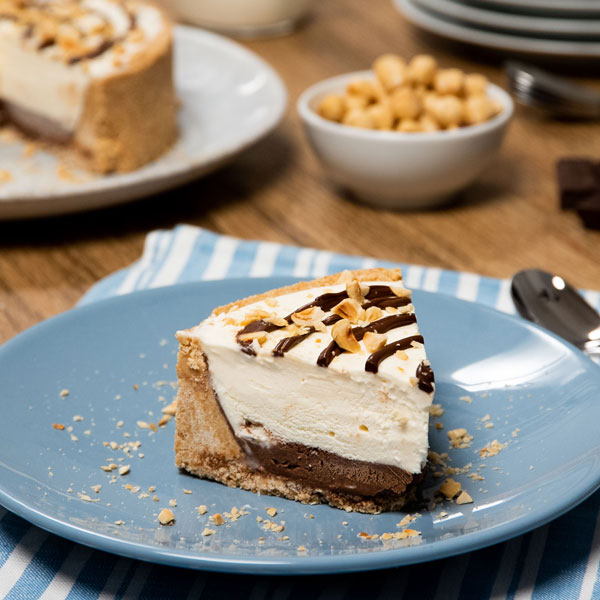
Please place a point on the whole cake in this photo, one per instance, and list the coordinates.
(318, 392)
(91, 75)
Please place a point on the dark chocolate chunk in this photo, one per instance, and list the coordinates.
(589, 210)
(578, 178)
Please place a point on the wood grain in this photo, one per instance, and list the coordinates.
(277, 191)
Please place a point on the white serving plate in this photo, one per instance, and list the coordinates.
(230, 98)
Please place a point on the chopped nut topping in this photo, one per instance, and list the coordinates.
(279, 321)
(308, 316)
(342, 334)
(58, 426)
(401, 292)
(345, 277)
(401, 355)
(254, 315)
(259, 336)
(373, 313)
(166, 517)
(124, 470)
(374, 341)
(357, 291)
(349, 309)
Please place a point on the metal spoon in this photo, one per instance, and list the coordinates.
(552, 93)
(551, 302)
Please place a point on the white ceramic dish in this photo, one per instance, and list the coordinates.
(563, 8)
(400, 170)
(561, 28)
(515, 44)
(230, 99)
(241, 18)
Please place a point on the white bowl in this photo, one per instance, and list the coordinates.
(400, 170)
(241, 18)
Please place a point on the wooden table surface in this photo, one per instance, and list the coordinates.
(277, 191)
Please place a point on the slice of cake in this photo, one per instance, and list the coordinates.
(94, 76)
(318, 392)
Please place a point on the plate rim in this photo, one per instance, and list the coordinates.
(293, 565)
(511, 23)
(497, 41)
(86, 196)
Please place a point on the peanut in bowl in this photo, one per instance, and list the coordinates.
(396, 168)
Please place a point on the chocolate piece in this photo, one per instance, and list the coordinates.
(589, 210)
(425, 376)
(578, 178)
(322, 469)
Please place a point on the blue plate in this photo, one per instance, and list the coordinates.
(116, 358)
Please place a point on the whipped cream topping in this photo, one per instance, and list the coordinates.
(380, 417)
(51, 50)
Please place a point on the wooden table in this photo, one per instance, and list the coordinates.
(277, 191)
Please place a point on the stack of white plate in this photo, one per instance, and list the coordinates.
(561, 28)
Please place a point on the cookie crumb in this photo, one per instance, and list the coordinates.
(123, 470)
(202, 509)
(207, 531)
(217, 519)
(166, 517)
(64, 393)
(464, 498)
(491, 449)
(460, 438)
(271, 511)
(450, 488)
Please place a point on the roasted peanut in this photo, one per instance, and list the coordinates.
(390, 70)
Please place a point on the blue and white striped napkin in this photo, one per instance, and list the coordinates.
(558, 561)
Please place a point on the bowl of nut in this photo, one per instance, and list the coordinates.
(405, 135)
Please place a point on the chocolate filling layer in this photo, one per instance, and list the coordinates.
(322, 469)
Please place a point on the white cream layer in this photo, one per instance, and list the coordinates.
(380, 418)
(43, 84)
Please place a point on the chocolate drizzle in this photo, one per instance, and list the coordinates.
(381, 296)
(425, 377)
(253, 327)
(380, 326)
(375, 359)
(32, 17)
(289, 342)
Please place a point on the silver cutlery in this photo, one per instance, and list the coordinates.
(551, 93)
(548, 300)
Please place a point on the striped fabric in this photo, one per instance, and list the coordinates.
(558, 561)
